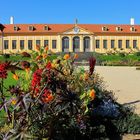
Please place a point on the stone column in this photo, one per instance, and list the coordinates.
(138, 43)
(42, 41)
(50, 43)
(10, 45)
(26, 43)
(34, 43)
(0, 43)
(18, 44)
(124, 44)
(70, 44)
(81, 44)
(59, 49)
(92, 44)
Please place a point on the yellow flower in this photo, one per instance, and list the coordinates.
(86, 76)
(66, 72)
(15, 76)
(92, 94)
(75, 56)
(38, 57)
(27, 69)
(44, 55)
(81, 77)
(66, 56)
(14, 101)
(54, 65)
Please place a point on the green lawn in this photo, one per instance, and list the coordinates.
(118, 57)
(10, 81)
(13, 58)
(103, 59)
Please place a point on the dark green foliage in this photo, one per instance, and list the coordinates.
(130, 123)
(5, 56)
(122, 54)
(137, 53)
(138, 68)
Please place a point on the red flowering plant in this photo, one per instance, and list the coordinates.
(53, 98)
(3, 71)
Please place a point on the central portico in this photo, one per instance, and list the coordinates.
(77, 39)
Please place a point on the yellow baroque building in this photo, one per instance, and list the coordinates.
(100, 38)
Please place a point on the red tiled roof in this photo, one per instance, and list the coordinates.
(60, 28)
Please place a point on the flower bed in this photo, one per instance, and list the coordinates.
(53, 99)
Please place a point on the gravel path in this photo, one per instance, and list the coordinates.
(131, 137)
(125, 82)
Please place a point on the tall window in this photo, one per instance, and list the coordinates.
(37, 42)
(76, 43)
(21, 44)
(14, 44)
(97, 44)
(30, 44)
(86, 43)
(105, 44)
(112, 43)
(54, 44)
(127, 43)
(134, 43)
(65, 44)
(46, 43)
(6, 44)
(119, 43)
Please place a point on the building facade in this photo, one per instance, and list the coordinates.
(100, 38)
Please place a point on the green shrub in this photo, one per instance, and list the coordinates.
(129, 124)
(137, 68)
(122, 54)
(6, 56)
(137, 53)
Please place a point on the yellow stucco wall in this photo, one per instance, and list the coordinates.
(0, 44)
(33, 38)
(116, 38)
(59, 37)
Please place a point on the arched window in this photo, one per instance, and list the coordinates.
(76, 44)
(87, 43)
(65, 44)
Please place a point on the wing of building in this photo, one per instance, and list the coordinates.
(69, 37)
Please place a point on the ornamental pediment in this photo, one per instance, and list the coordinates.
(77, 30)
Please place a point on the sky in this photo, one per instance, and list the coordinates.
(66, 11)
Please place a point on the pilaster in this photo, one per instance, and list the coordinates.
(81, 44)
(70, 44)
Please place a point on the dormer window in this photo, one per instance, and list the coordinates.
(16, 28)
(31, 28)
(104, 28)
(46, 27)
(118, 28)
(132, 29)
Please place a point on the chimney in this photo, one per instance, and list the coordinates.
(132, 21)
(11, 20)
